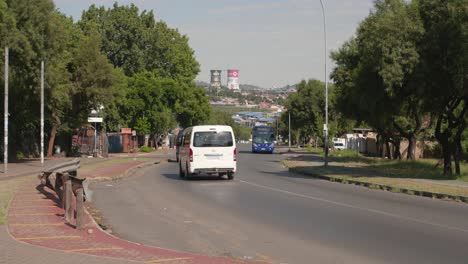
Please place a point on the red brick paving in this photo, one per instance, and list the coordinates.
(35, 217)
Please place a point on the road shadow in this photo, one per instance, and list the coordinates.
(288, 174)
(176, 177)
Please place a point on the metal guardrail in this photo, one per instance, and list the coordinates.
(68, 185)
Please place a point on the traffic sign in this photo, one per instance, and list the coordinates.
(94, 119)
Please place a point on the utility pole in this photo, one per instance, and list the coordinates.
(325, 128)
(289, 123)
(277, 134)
(5, 124)
(42, 113)
(95, 140)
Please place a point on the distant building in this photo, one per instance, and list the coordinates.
(264, 105)
(233, 80)
(215, 79)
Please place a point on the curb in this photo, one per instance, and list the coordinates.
(433, 195)
(127, 173)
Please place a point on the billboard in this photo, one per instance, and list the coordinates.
(233, 79)
(215, 79)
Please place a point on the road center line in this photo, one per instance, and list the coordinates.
(355, 207)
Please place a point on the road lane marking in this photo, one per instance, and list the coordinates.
(30, 200)
(24, 207)
(355, 207)
(31, 214)
(166, 260)
(37, 224)
(47, 237)
(93, 249)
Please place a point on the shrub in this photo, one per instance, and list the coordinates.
(19, 155)
(146, 149)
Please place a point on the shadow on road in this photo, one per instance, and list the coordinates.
(176, 177)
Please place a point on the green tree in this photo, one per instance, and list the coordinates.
(156, 105)
(307, 108)
(377, 74)
(193, 107)
(444, 54)
(33, 34)
(135, 42)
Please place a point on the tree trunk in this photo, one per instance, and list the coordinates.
(396, 153)
(52, 134)
(298, 138)
(447, 160)
(443, 138)
(411, 147)
(457, 156)
(388, 153)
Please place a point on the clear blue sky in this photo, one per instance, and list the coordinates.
(271, 42)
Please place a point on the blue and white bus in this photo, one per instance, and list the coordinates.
(263, 139)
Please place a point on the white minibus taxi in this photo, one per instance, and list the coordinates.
(208, 150)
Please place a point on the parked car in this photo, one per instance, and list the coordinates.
(338, 146)
(178, 143)
(208, 150)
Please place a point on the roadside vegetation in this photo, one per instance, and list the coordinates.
(404, 75)
(421, 175)
(136, 70)
(418, 169)
(224, 118)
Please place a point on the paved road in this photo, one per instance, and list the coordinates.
(269, 214)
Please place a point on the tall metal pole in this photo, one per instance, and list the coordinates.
(42, 113)
(95, 140)
(326, 83)
(289, 124)
(277, 134)
(5, 124)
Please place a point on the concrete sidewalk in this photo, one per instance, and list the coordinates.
(35, 217)
(34, 167)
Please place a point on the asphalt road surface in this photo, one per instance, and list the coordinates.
(269, 214)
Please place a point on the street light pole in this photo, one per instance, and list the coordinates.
(42, 113)
(325, 128)
(289, 124)
(5, 124)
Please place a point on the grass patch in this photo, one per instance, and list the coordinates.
(345, 153)
(88, 167)
(420, 169)
(398, 175)
(318, 151)
(7, 190)
(146, 149)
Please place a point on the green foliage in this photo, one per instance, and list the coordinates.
(375, 72)
(222, 118)
(307, 108)
(155, 105)
(146, 149)
(135, 42)
(95, 81)
(20, 155)
(88, 65)
(406, 70)
(243, 133)
(344, 153)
